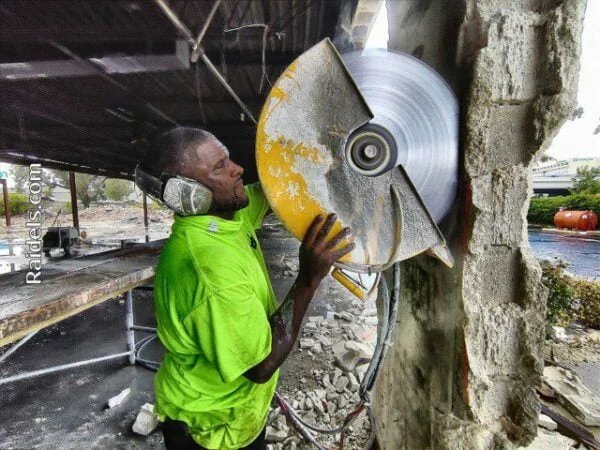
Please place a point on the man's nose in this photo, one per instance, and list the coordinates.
(237, 170)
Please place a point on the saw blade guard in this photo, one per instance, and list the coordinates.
(311, 114)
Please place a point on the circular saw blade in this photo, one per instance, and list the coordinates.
(311, 112)
(413, 103)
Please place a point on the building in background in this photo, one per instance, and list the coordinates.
(556, 177)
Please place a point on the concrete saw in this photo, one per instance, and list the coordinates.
(372, 137)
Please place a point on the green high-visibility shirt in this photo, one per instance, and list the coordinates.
(213, 302)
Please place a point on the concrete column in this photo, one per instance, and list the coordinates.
(467, 353)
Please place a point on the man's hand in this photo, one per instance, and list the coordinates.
(317, 253)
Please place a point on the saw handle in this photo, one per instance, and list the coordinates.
(352, 285)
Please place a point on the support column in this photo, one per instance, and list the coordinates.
(74, 200)
(5, 194)
(129, 326)
(145, 204)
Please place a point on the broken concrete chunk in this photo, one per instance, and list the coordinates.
(361, 371)
(345, 316)
(341, 383)
(371, 321)
(310, 417)
(546, 440)
(315, 319)
(311, 326)
(307, 343)
(347, 360)
(365, 351)
(546, 422)
(325, 341)
(559, 334)
(146, 421)
(317, 348)
(369, 312)
(118, 399)
(353, 385)
(573, 395)
(273, 435)
(308, 403)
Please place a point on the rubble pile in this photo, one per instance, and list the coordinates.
(341, 347)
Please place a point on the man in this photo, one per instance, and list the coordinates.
(225, 336)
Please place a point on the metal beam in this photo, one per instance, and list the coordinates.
(74, 210)
(110, 79)
(186, 33)
(16, 156)
(196, 48)
(5, 195)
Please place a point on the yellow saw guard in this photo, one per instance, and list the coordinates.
(312, 109)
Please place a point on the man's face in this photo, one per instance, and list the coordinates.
(213, 168)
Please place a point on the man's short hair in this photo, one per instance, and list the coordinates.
(167, 150)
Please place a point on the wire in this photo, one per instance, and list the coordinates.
(266, 30)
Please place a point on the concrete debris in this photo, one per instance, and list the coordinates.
(371, 321)
(547, 440)
(118, 399)
(369, 312)
(310, 326)
(361, 371)
(345, 315)
(364, 351)
(546, 422)
(347, 360)
(316, 319)
(573, 395)
(559, 334)
(325, 342)
(145, 422)
(274, 435)
(317, 348)
(353, 384)
(341, 383)
(307, 343)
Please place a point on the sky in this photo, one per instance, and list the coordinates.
(576, 138)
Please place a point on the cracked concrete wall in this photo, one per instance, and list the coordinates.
(467, 353)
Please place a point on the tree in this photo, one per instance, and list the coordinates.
(118, 190)
(20, 176)
(587, 181)
(90, 188)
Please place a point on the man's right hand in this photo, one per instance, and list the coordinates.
(317, 253)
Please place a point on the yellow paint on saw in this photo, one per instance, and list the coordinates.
(285, 188)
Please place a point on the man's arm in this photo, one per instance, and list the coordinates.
(317, 254)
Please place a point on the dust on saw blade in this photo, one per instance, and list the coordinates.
(304, 126)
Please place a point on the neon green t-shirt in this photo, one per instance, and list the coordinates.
(213, 302)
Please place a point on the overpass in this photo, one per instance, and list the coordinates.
(552, 184)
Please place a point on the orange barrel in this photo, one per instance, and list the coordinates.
(576, 220)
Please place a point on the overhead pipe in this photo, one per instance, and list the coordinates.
(198, 50)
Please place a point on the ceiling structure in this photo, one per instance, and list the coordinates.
(84, 84)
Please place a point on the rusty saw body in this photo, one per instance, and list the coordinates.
(324, 147)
